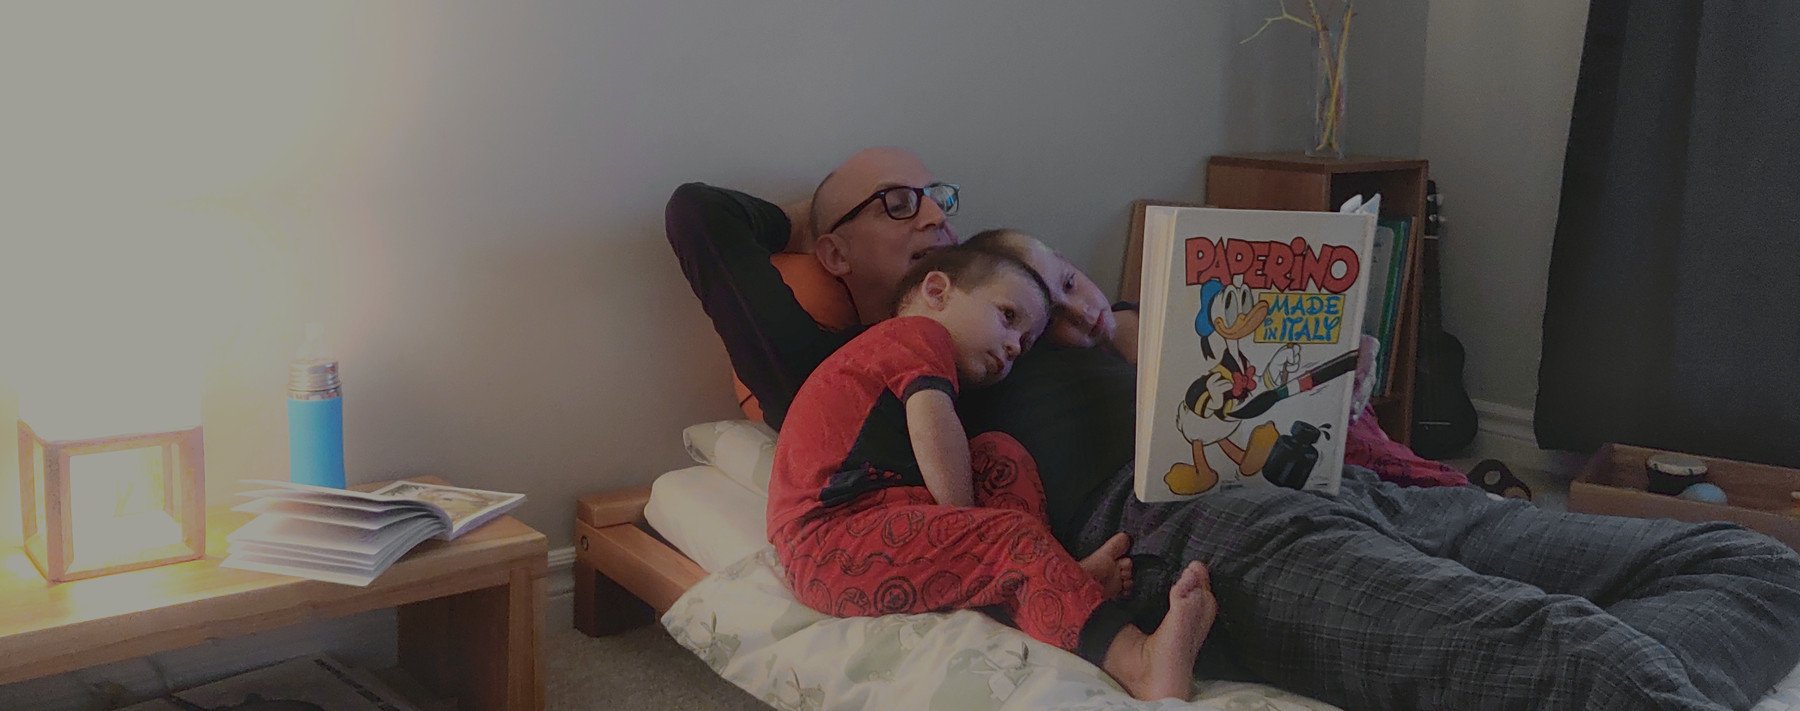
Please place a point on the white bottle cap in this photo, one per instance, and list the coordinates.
(1677, 464)
(312, 370)
(312, 376)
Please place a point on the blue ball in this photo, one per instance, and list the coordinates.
(1709, 493)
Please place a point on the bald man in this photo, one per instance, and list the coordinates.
(1382, 597)
(875, 215)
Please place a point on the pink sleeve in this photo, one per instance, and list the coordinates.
(1366, 445)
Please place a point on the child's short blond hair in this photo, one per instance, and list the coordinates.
(1004, 240)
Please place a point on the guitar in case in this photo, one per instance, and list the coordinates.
(1444, 418)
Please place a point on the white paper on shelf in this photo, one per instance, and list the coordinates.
(266, 550)
(398, 541)
(311, 571)
(342, 502)
(348, 536)
(305, 565)
(330, 514)
(373, 563)
(317, 535)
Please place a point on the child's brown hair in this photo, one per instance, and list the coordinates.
(969, 265)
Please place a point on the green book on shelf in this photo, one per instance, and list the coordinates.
(1394, 281)
(1381, 255)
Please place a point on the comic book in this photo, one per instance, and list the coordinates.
(1250, 323)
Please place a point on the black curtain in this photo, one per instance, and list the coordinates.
(1673, 316)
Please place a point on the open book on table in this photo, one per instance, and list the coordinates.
(350, 537)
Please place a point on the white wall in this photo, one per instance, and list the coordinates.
(1499, 84)
(469, 194)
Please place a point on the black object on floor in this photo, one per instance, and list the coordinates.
(1492, 476)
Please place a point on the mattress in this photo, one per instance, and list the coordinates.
(707, 515)
(717, 521)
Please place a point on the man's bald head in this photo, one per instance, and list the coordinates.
(870, 252)
(859, 176)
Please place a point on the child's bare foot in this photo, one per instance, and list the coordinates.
(1110, 567)
(1177, 640)
(1161, 665)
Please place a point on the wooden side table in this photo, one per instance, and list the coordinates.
(471, 611)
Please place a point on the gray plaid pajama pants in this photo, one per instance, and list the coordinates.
(1443, 598)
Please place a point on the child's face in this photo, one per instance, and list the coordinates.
(991, 324)
(1082, 316)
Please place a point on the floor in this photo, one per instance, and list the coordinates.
(640, 669)
(646, 669)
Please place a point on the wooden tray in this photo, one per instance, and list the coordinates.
(1613, 482)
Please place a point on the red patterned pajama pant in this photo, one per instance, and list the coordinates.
(896, 550)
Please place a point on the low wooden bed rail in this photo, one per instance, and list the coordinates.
(624, 577)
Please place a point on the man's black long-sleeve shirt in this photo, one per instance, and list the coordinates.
(1072, 408)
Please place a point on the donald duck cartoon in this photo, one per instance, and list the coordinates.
(1227, 314)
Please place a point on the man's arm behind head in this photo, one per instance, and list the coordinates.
(725, 240)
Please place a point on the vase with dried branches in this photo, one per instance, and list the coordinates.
(1329, 53)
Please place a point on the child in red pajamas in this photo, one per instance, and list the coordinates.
(880, 504)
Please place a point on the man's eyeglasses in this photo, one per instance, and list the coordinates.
(902, 202)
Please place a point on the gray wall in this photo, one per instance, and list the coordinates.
(469, 194)
(1499, 84)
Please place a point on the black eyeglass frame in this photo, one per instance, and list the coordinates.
(919, 197)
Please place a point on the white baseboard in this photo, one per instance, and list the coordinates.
(561, 577)
(364, 640)
(559, 587)
(1505, 433)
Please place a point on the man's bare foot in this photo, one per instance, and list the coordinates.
(1110, 567)
(1161, 665)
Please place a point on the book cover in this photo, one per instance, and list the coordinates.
(1251, 320)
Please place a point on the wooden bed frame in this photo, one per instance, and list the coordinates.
(625, 576)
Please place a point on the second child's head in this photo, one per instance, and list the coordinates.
(1082, 315)
(993, 305)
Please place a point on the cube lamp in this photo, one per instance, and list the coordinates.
(93, 506)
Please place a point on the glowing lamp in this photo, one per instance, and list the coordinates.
(100, 504)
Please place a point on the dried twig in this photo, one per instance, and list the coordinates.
(1285, 16)
(1337, 77)
(1331, 60)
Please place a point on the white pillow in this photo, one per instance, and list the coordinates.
(743, 450)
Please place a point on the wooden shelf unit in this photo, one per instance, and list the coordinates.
(1292, 181)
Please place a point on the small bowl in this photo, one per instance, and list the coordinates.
(1671, 474)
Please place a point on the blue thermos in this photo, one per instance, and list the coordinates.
(315, 411)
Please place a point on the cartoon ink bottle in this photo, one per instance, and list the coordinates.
(1293, 457)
